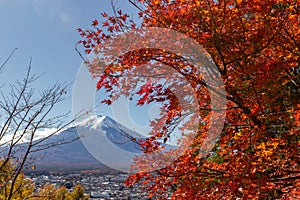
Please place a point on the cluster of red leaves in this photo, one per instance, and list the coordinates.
(95, 37)
(255, 45)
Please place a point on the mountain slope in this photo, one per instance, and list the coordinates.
(74, 155)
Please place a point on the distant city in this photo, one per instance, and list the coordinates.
(97, 185)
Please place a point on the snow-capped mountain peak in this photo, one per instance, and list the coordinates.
(93, 121)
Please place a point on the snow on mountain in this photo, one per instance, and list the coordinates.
(93, 122)
(102, 141)
(116, 133)
(78, 154)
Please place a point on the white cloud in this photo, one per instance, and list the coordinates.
(23, 138)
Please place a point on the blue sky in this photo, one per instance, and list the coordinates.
(45, 30)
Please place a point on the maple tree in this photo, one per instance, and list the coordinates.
(255, 47)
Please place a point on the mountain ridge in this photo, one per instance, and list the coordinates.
(74, 155)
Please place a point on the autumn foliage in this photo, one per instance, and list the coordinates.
(255, 46)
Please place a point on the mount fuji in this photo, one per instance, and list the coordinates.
(74, 155)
